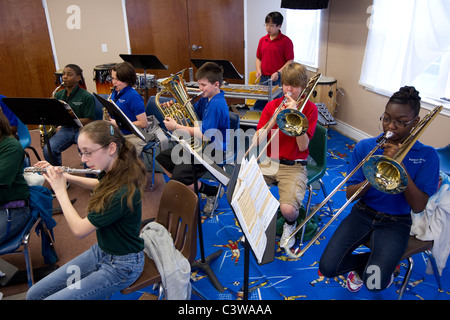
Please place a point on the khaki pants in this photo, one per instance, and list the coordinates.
(291, 181)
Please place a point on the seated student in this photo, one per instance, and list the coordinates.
(14, 193)
(115, 212)
(13, 122)
(383, 218)
(82, 104)
(287, 155)
(129, 101)
(212, 111)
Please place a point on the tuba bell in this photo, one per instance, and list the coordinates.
(182, 111)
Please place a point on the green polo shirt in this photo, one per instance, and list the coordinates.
(81, 102)
(118, 226)
(12, 183)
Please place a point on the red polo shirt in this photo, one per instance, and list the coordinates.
(286, 146)
(274, 53)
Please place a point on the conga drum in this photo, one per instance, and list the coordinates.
(58, 77)
(325, 92)
(102, 78)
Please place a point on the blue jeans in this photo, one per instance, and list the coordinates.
(62, 140)
(92, 275)
(260, 104)
(18, 218)
(389, 236)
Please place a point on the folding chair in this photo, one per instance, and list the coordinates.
(318, 152)
(178, 214)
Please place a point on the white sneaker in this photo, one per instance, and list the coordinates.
(287, 231)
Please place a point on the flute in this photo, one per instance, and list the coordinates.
(63, 169)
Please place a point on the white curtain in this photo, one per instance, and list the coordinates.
(303, 28)
(408, 44)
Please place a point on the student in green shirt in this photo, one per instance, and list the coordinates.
(14, 194)
(82, 104)
(115, 210)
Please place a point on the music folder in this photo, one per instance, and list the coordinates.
(121, 119)
(255, 209)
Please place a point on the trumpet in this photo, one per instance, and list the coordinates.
(383, 173)
(63, 169)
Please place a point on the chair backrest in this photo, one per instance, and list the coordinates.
(318, 146)
(233, 147)
(444, 159)
(24, 134)
(152, 109)
(178, 214)
(99, 107)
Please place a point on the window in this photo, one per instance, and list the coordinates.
(303, 28)
(409, 44)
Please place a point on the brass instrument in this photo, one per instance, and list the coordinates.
(51, 128)
(291, 122)
(63, 169)
(383, 173)
(106, 115)
(182, 111)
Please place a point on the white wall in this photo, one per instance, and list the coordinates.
(79, 31)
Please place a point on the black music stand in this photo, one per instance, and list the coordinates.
(223, 177)
(121, 119)
(43, 111)
(229, 71)
(144, 61)
(269, 253)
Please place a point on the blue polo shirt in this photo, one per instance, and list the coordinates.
(130, 102)
(8, 113)
(422, 164)
(215, 119)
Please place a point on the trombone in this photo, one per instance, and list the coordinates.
(383, 173)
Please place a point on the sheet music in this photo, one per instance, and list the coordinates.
(135, 129)
(72, 114)
(254, 205)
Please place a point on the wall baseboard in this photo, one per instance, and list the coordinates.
(349, 131)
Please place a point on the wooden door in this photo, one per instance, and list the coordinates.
(169, 28)
(27, 65)
(216, 32)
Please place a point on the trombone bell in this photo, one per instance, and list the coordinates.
(385, 174)
(292, 122)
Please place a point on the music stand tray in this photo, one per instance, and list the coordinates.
(143, 61)
(229, 71)
(121, 119)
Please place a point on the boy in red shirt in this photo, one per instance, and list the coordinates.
(287, 155)
(275, 50)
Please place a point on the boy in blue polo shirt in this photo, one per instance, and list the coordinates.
(383, 218)
(212, 112)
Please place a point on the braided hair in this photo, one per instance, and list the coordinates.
(407, 95)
